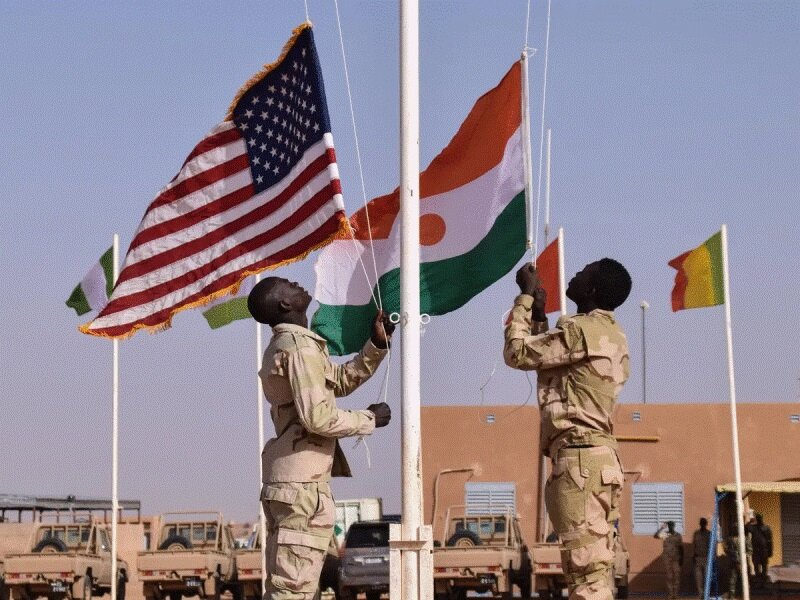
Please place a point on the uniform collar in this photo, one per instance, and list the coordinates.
(298, 330)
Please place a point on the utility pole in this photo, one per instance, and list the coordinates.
(644, 306)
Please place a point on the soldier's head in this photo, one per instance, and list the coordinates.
(703, 522)
(759, 519)
(275, 300)
(603, 284)
(671, 526)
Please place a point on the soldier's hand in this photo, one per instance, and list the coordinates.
(539, 302)
(382, 412)
(527, 279)
(382, 330)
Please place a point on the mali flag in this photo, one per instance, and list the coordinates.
(699, 280)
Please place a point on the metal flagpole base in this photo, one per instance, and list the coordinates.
(419, 550)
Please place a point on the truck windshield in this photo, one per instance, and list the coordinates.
(372, 536)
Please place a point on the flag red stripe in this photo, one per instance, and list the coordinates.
(317, 237)
(681, 281)
(221, 205)
(201, 180)
(213, 141)
(157, 291)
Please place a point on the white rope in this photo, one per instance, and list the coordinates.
(306, 3)
(541, 133)
(358, 160)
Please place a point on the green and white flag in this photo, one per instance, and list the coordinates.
(226, 310)
(92, 293)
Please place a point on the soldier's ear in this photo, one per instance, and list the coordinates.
(285, 305)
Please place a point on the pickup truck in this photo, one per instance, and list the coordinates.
(486, 553)
(194, 555)
(68, 560)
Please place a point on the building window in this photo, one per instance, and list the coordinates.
(489, 497)
(794, 418)
(637, 416)
(655, 503)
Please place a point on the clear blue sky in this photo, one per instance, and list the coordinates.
(668, 119)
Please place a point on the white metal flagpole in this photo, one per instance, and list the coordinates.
(734, 426)
(547, 191)
(262, 520)
(114, 434)
(562, 279)
(527, 161)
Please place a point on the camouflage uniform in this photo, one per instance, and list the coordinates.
(700, 543)
(300, 383)
(581, 365)
(672, 555)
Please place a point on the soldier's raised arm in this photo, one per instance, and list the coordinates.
(306, 369)
(349, 376)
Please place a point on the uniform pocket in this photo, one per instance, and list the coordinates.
(285, 493)
(565, 497)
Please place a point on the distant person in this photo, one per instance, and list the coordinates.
(672, 557)
(761, 539)
(701, 540)
(734, 559)
(581, 366)
(301, 383)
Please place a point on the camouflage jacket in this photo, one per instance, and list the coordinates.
(581, 366)
(672, 546)
(300, 383)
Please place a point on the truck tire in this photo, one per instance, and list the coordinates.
(622, 592)
(175, 542)
(464, 539)
(373, 595)
(50, 545)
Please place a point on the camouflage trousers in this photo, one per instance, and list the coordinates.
(700, 565)
(582, 497)
(672, 571)
(300, 518)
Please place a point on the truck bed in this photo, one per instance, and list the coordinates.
(151, 563)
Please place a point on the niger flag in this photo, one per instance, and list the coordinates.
(699, 280)
(472, 227)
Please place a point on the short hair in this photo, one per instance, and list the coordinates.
(612, 284)
(261, 303)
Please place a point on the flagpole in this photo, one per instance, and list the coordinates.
(114, 434)
(409, 296)
(547, 192)
(734, 426)
(527, 162)
(262, 520)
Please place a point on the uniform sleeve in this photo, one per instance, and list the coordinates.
(314, 400)
(530, 346)
(347, 377)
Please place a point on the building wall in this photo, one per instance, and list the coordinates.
(688, 443)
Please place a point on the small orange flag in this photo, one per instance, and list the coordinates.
(547, 268)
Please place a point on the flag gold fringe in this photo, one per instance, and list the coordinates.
(267, 68)
(343, 232)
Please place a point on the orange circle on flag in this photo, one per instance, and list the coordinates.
(431, 229)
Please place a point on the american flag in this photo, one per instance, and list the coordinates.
(260, 190)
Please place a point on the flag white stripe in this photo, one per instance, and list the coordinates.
(140, 311)
(204, 228)
(196, 165)
(94, 287)
(468, 211)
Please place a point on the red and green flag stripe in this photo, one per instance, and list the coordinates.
(699, 280)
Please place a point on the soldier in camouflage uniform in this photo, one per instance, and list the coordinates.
(672, 555)
(581, 364)
(300, 383)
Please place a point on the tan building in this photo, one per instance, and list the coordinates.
(674, 456)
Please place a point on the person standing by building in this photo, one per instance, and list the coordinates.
(734, 558)
(701, 540)
(672, 557)
(761, 539)
(300, 383)
(581, 367)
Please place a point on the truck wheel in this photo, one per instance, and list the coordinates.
(50, 546)
(622, 592)
(372, 595)
(464, 539)
(346, 594)
(175, 542)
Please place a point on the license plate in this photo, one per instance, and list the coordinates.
(194, 582)
(373, 560)
(486, 579)
(58, 587)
